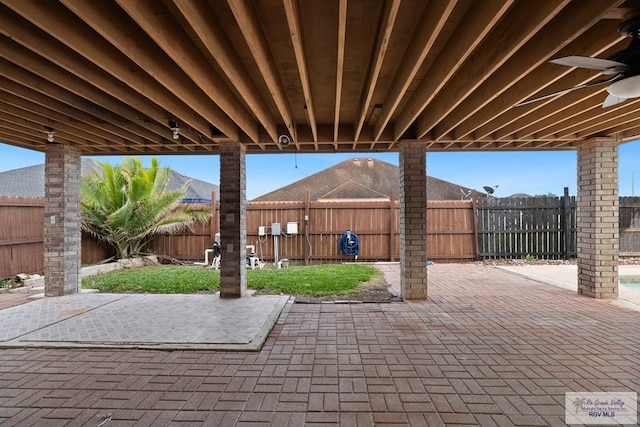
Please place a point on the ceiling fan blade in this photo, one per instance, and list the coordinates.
(567, 90)
(549, 95)
(606, 66)
(612, 100)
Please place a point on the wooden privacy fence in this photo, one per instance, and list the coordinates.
(630, 226)
(320, 225)
(21, 236)
(463, 230)
(542, 227)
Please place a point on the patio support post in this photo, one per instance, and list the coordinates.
(62, 233)
(233, 220)
(597, 218)
(413, 220)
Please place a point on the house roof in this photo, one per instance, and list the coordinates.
(29, 182)
(358, 178)
(336, 76)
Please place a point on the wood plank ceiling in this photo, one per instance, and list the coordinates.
(334, 75)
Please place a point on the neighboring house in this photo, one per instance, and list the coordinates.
(360, 179)
(29, 182)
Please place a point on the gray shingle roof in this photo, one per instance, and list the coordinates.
(358, 179)
(29, 182)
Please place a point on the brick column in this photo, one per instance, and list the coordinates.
(597, 219)
(62, 236)
(233, 220)
(413, 221)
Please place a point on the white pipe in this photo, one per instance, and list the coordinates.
(206, 257)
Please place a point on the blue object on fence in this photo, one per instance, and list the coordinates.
(349, 244)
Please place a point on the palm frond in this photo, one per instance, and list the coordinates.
(127, 205)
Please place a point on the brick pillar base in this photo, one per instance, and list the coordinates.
(233, 220)
(597, 219)
(413, 221)
(62, 251)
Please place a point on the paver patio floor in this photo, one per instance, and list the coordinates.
(488, 348)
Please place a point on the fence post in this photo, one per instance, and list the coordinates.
(307, 220)
(564, 223)
(392, 225)
(474, 206)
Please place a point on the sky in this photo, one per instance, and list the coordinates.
(531, 172)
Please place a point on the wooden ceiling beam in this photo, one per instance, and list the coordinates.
(587, 109)
(478, 21)
(433, 19)
(156, 21)
(28, 130)
(612, 126)
(35, 98)
(608, 117)
(219, 108)
(501, 145)
(564, 28)
(625, 133)
(555, 109)
(71, 131)
(594, 42)
(554, 123)
(21, 83)
(342, 36)
(295, 30)
(49, 116)
(100, 103)
(387, 22)
(249, 24)
(118, 84)
(211, 36)
(518, 118)
(25, 140)
(61, 24)
(11, 138)
(467, 140)
(510, 34)
(326, 133)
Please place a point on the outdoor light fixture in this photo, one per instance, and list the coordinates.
(50, 132)
(175, 128)
(625, 88)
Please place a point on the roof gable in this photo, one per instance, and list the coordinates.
(29, 182)
(359, 178)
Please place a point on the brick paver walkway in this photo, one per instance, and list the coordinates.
(488, 348)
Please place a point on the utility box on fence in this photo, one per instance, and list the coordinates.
(292, 228)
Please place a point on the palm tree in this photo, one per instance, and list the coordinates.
(128, 205)
(578, 403)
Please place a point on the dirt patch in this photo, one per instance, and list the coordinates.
(375, 291)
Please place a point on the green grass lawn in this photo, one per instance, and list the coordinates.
(315, 280)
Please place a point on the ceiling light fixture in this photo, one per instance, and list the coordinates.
(175, 129)
(50, 132)
(625, 88)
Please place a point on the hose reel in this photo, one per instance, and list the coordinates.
(350, 244)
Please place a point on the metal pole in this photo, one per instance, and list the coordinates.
(633, 183)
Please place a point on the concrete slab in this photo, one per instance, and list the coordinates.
(566, 277)
(142, 321)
